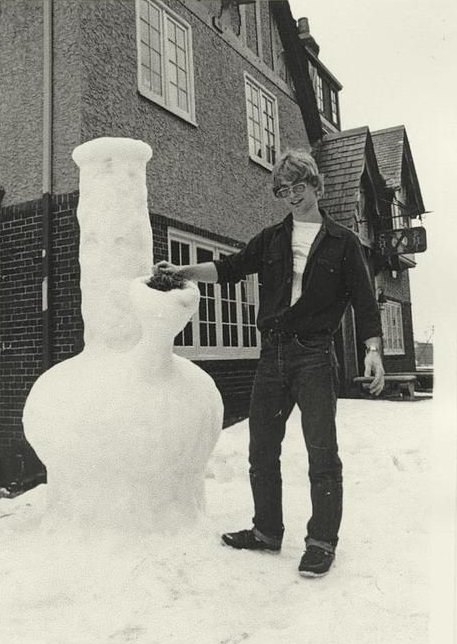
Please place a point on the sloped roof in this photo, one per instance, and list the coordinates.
(341, 159)
(394, 155)
(389, 145)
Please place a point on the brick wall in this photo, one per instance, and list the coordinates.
(20, 312)
(65, 297)
(234, 379)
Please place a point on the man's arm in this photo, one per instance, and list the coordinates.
(229, 268)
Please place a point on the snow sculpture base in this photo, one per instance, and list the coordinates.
(125, 428)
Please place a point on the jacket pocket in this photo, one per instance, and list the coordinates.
(329, 266)
(272, 258)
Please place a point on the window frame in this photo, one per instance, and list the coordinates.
(164, 100)
(218, 352)
(327, 96)
(392, 346)
(264, 94)
(320, 93)
(334, 106)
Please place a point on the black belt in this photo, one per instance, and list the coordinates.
(280, 334)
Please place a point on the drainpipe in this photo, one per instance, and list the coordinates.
(47, 179)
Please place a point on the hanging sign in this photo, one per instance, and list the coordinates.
(401, 242)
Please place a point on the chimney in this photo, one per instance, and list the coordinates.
(305, 35)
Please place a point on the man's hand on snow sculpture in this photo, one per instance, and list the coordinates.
(166, 267)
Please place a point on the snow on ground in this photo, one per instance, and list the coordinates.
(188, 588)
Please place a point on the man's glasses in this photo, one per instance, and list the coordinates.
(296, 189)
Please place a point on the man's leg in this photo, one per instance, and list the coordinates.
(315, 386)
(271, 404)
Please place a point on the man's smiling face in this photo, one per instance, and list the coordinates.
(300, 196)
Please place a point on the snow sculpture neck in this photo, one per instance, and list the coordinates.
(116, 238)
(162, 315)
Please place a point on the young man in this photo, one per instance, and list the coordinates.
(310, 268)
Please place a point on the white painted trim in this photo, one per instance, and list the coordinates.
(271, 97)
(391, 351)
(144, 91)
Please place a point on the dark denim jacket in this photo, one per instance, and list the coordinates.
(335, 275)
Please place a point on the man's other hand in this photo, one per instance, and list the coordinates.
(374, 367)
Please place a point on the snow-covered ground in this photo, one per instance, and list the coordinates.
(188, 588)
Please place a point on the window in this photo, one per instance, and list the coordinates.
(262, 120)
(319, 93)
(326, 95)
(392, 328)
(279, 55)
(165, 69)
(334, 106)
(225, 325)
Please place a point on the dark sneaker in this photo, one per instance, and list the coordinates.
(315, 562)
(248, 540)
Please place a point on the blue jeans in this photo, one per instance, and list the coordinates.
(293, 370)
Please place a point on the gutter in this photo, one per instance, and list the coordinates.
(47, 178)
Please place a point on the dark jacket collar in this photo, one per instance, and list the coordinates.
(329, 225)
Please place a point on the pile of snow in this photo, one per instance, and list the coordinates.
(186, 587)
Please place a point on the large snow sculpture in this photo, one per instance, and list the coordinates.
(126, 427)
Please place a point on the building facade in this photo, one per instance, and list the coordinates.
(206, 85)
(217, 88)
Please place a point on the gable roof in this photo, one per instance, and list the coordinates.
(388, 145)
(394, 158)
(342, 158)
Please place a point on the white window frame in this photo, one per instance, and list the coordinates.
(218, 352)
(392, 328)
(320, 93)
(334, 108)
(312, 69)
(263, 94)
(164, 100)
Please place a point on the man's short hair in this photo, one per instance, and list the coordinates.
(297, 165)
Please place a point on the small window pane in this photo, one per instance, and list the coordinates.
(154, 17)
(144, 31)
(144, 10)
(181, 38)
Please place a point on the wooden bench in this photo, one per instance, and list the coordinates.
(402, 382)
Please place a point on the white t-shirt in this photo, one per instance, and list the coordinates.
(303, 235)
